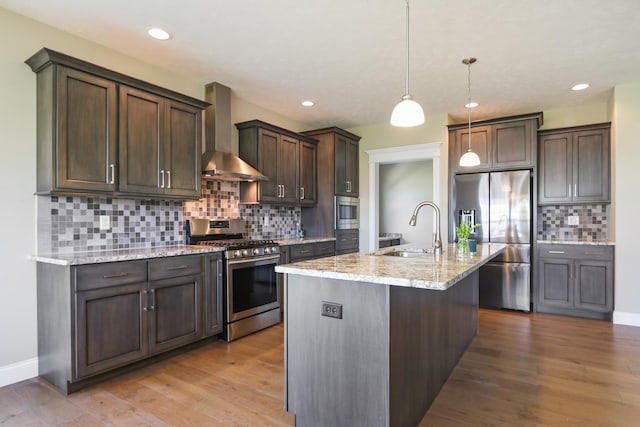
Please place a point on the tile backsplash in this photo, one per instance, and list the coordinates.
(72, 224)
(553, 222)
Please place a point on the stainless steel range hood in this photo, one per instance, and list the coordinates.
(218, 162)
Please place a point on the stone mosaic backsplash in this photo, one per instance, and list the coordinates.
(592, 227)
(72, 224)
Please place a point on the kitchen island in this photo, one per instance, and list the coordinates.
(370, 338)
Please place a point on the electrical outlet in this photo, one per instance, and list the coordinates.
(573, 220)
(332, 309)
(105, 222)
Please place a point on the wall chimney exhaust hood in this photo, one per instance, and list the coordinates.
(218, 162)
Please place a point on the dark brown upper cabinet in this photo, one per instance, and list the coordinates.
(104, 133)
(339, 152)
(505, 143)
(288, 160)
(574, 165)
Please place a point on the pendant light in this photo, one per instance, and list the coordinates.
(407, 113)
(469, 158)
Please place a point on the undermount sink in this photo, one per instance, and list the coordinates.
(410, 253)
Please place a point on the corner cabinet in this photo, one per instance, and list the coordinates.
(286, 158)
(575, 280)
(103, 133)
(501, 144)
(574, 165)
(95, 318)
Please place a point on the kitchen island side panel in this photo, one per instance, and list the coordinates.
(337, 370)
(429, 332)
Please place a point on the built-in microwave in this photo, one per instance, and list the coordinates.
(347, 213)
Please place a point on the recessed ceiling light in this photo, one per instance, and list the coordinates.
(580, 86)
(471, 105)
(158, 33)
(308, 103)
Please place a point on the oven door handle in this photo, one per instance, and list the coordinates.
(252, 260)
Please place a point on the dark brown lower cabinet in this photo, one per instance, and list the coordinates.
(95, 318)
(347, 241)
(575, 280)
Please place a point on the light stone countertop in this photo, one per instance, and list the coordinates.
(79, 258)
(437, 273)
(289, 242)
(389, 236)
(577, 242)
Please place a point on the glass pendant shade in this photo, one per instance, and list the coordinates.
(407, 113)
(469, 159)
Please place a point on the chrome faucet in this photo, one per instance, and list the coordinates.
(437, 242)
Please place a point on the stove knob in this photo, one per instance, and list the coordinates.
(245, 252)
(256, 251)
(274, 250)
(267, 250)
(236, 254)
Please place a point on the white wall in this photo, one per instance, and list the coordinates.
(384, 136)
(402, 187)
(22, 37)
(626, 155)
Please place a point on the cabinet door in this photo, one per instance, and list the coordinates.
(110, 328)
(268, 165)
(213, 295)
(308, 173)
(340, 154)
(141, 119)
(594, 285)
(555, 282)
(87, 132)
(481, 137)
(513, 144)
(174, 312)
(591, 166)
(182, 150)
(288, 169)
(555, 168)
(352, 168)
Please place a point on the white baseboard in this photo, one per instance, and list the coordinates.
(631, 319)
(18, 371)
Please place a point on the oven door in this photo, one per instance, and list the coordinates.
(347, 215)
(252, 287)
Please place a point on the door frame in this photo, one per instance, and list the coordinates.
(403, 154)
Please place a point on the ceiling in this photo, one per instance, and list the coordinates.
(349, 55)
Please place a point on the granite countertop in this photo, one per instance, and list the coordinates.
(289, 242)
(95, 257)
(389, 236)
(438, 273)
(577, 242)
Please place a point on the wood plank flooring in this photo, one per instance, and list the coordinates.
(522, 370)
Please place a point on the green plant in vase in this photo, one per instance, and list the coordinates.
(463, 231)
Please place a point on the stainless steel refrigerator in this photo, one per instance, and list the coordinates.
(501, 203)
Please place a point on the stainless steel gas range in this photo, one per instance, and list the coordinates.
(251, 285)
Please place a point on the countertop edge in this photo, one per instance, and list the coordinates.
(576, 242)
(83, 258)
(292, 242)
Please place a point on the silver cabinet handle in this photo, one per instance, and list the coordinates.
(178, 267)
(283, 190)
(112, 169)
(162, 178)
(575, 190)
(168, 179)
(556, 252)
(301, 193)
(153, 299)
(144, 302)
(305, 251)
(569, 190)
(115, 276)
(348, 186)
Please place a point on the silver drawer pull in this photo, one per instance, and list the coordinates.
(115, 276)
(179, 267)
(306, 251)
(556, 252)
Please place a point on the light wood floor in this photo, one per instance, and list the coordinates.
(522, 370)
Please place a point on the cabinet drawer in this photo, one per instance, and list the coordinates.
(97, 276)
(347, 240)
(303, 251)
(576, 251)
(323, 249)
(165, 268)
